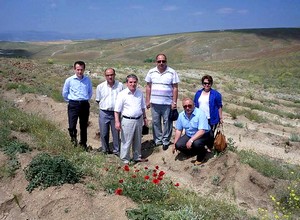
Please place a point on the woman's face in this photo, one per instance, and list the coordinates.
(206, 84)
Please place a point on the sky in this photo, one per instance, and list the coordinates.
(130, 18)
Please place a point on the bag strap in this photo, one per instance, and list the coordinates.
(220, 128)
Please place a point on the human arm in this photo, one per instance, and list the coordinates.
(221, 115)
(145, 117)
(175, 95)
(90, 89)
(176, 138)
(65, 90)
(117, 121)
(196, 136)
(220, 105)
(148, 94)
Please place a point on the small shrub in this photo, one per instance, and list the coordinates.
(45, 170)
(238, 124)
(150, 60)
(295, 137)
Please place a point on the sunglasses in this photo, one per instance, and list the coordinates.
(206, 83)
(161, 61)
(187, 106)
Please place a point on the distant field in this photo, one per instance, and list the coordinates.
(266, 57)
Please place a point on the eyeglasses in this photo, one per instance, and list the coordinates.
(187, 106)
(206, 83)
(161, 61)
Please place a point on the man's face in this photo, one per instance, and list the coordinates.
(110, 76)
(79, 70)
(132, 84)
(188, 106)
(161, 62)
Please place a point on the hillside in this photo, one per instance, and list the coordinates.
(257, 72)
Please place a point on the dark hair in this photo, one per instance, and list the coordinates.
(132, 76)
(210, 79)
(80, 63)
(161, 54)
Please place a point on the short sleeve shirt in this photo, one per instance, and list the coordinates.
(162, 85)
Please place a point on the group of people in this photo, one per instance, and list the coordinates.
(122, 110)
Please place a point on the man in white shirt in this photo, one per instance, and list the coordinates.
(106, 95)
(129, 118)
(161, 96)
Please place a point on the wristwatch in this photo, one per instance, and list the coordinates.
(175, 103)
(191, 141)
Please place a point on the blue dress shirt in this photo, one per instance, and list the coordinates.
(196, 122)
(77, 89)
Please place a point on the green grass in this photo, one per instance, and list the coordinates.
(105, 174)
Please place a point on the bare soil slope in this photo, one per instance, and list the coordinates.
(221, 177)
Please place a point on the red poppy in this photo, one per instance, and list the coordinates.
(146, 177)
(137, 171)
(146, 168)
(126, 167)
(155, 181)
(161, 173)
(177, 184)
(121, 181)
(119, 191)
(160, 178)
(133, 176)
(156, 167)
(154, 174)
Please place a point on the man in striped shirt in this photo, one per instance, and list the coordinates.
(161, 96)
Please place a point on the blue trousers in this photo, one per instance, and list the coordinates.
(107, 122)
(160, 116)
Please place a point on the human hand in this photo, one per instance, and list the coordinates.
(118, 126)
(173, 106)
(189, 145)
(174, 149)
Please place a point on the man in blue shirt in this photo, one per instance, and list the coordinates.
(77, 91)
(197, 131)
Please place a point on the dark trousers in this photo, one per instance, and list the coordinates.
(198, 146)
(212, 135)
(79, 110)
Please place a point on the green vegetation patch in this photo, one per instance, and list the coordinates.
(45, 170)
(268, 167)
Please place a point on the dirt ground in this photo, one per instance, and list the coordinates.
(237, 183)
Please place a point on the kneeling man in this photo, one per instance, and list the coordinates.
(197, 131)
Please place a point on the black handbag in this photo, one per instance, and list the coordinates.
(173, 114)
(145, 130)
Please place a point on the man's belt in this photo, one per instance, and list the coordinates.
(132, 117)
(79, 101)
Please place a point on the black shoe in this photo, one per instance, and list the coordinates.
(74, 141)
(107, 152)
(141, 160)
(165, 147)
(84, 146)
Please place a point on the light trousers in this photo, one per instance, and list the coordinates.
(131, 135)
